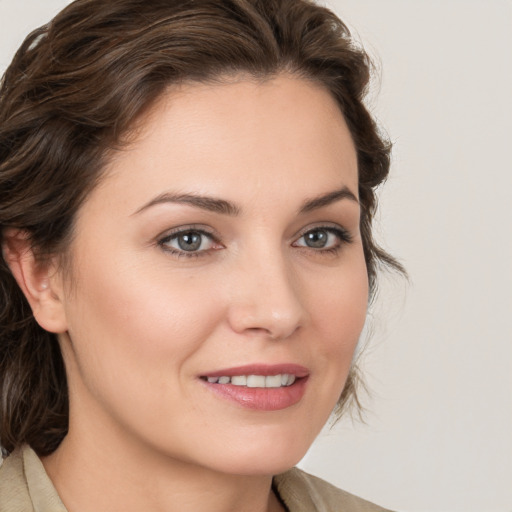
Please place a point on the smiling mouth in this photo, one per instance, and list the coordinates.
(255, 381)
(260, 387)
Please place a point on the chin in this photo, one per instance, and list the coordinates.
(258, 466)
(268, 455)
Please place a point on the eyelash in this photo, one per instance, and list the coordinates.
(174, 235)
(343, 236)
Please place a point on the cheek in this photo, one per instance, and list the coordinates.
(134, 325)
(338, 314)
(339, 307)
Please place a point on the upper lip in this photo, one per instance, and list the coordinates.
(260, 369)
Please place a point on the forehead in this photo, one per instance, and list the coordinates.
(237, 138)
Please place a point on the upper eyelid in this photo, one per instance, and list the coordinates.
(343, 235)
(163, 242)
(206, 230)
(189, 227)
(211, 233)
(328, 226)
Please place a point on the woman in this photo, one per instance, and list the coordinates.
(187, 197)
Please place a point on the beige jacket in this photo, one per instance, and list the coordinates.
(25, 487)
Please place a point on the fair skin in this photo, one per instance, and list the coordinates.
(167, 292)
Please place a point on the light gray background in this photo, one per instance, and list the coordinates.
(438, 432)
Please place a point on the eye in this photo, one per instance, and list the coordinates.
(323, 238)
(188, 242)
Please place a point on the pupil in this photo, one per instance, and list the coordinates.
(190, 241)
(316, 239)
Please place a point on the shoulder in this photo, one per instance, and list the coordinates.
(302, 492)
(25, 486)
(14, 493)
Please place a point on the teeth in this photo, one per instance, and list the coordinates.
(255, 381)
(239, 380)
(273, 381)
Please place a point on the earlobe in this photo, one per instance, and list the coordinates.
(39, 281)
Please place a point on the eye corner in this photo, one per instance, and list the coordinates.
(323, 238)
(189, 241)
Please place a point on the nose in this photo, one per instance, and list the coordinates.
(265, 298)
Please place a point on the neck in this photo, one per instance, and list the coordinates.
(106, 473)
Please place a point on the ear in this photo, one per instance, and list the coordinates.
(40, 282)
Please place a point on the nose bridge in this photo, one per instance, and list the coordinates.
(267, 297)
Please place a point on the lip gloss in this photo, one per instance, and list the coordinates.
(260, 398)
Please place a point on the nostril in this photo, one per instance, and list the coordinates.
(259, 331)
(276, 333)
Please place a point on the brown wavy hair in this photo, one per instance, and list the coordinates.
(75, 88)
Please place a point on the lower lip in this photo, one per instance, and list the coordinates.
(261, 399)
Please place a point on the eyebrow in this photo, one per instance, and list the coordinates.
(224, 207)
(211, 204)
(327, 199)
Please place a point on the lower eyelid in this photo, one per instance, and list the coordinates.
(343, 236)
(164, 241)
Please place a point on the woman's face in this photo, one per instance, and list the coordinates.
(218, 280)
